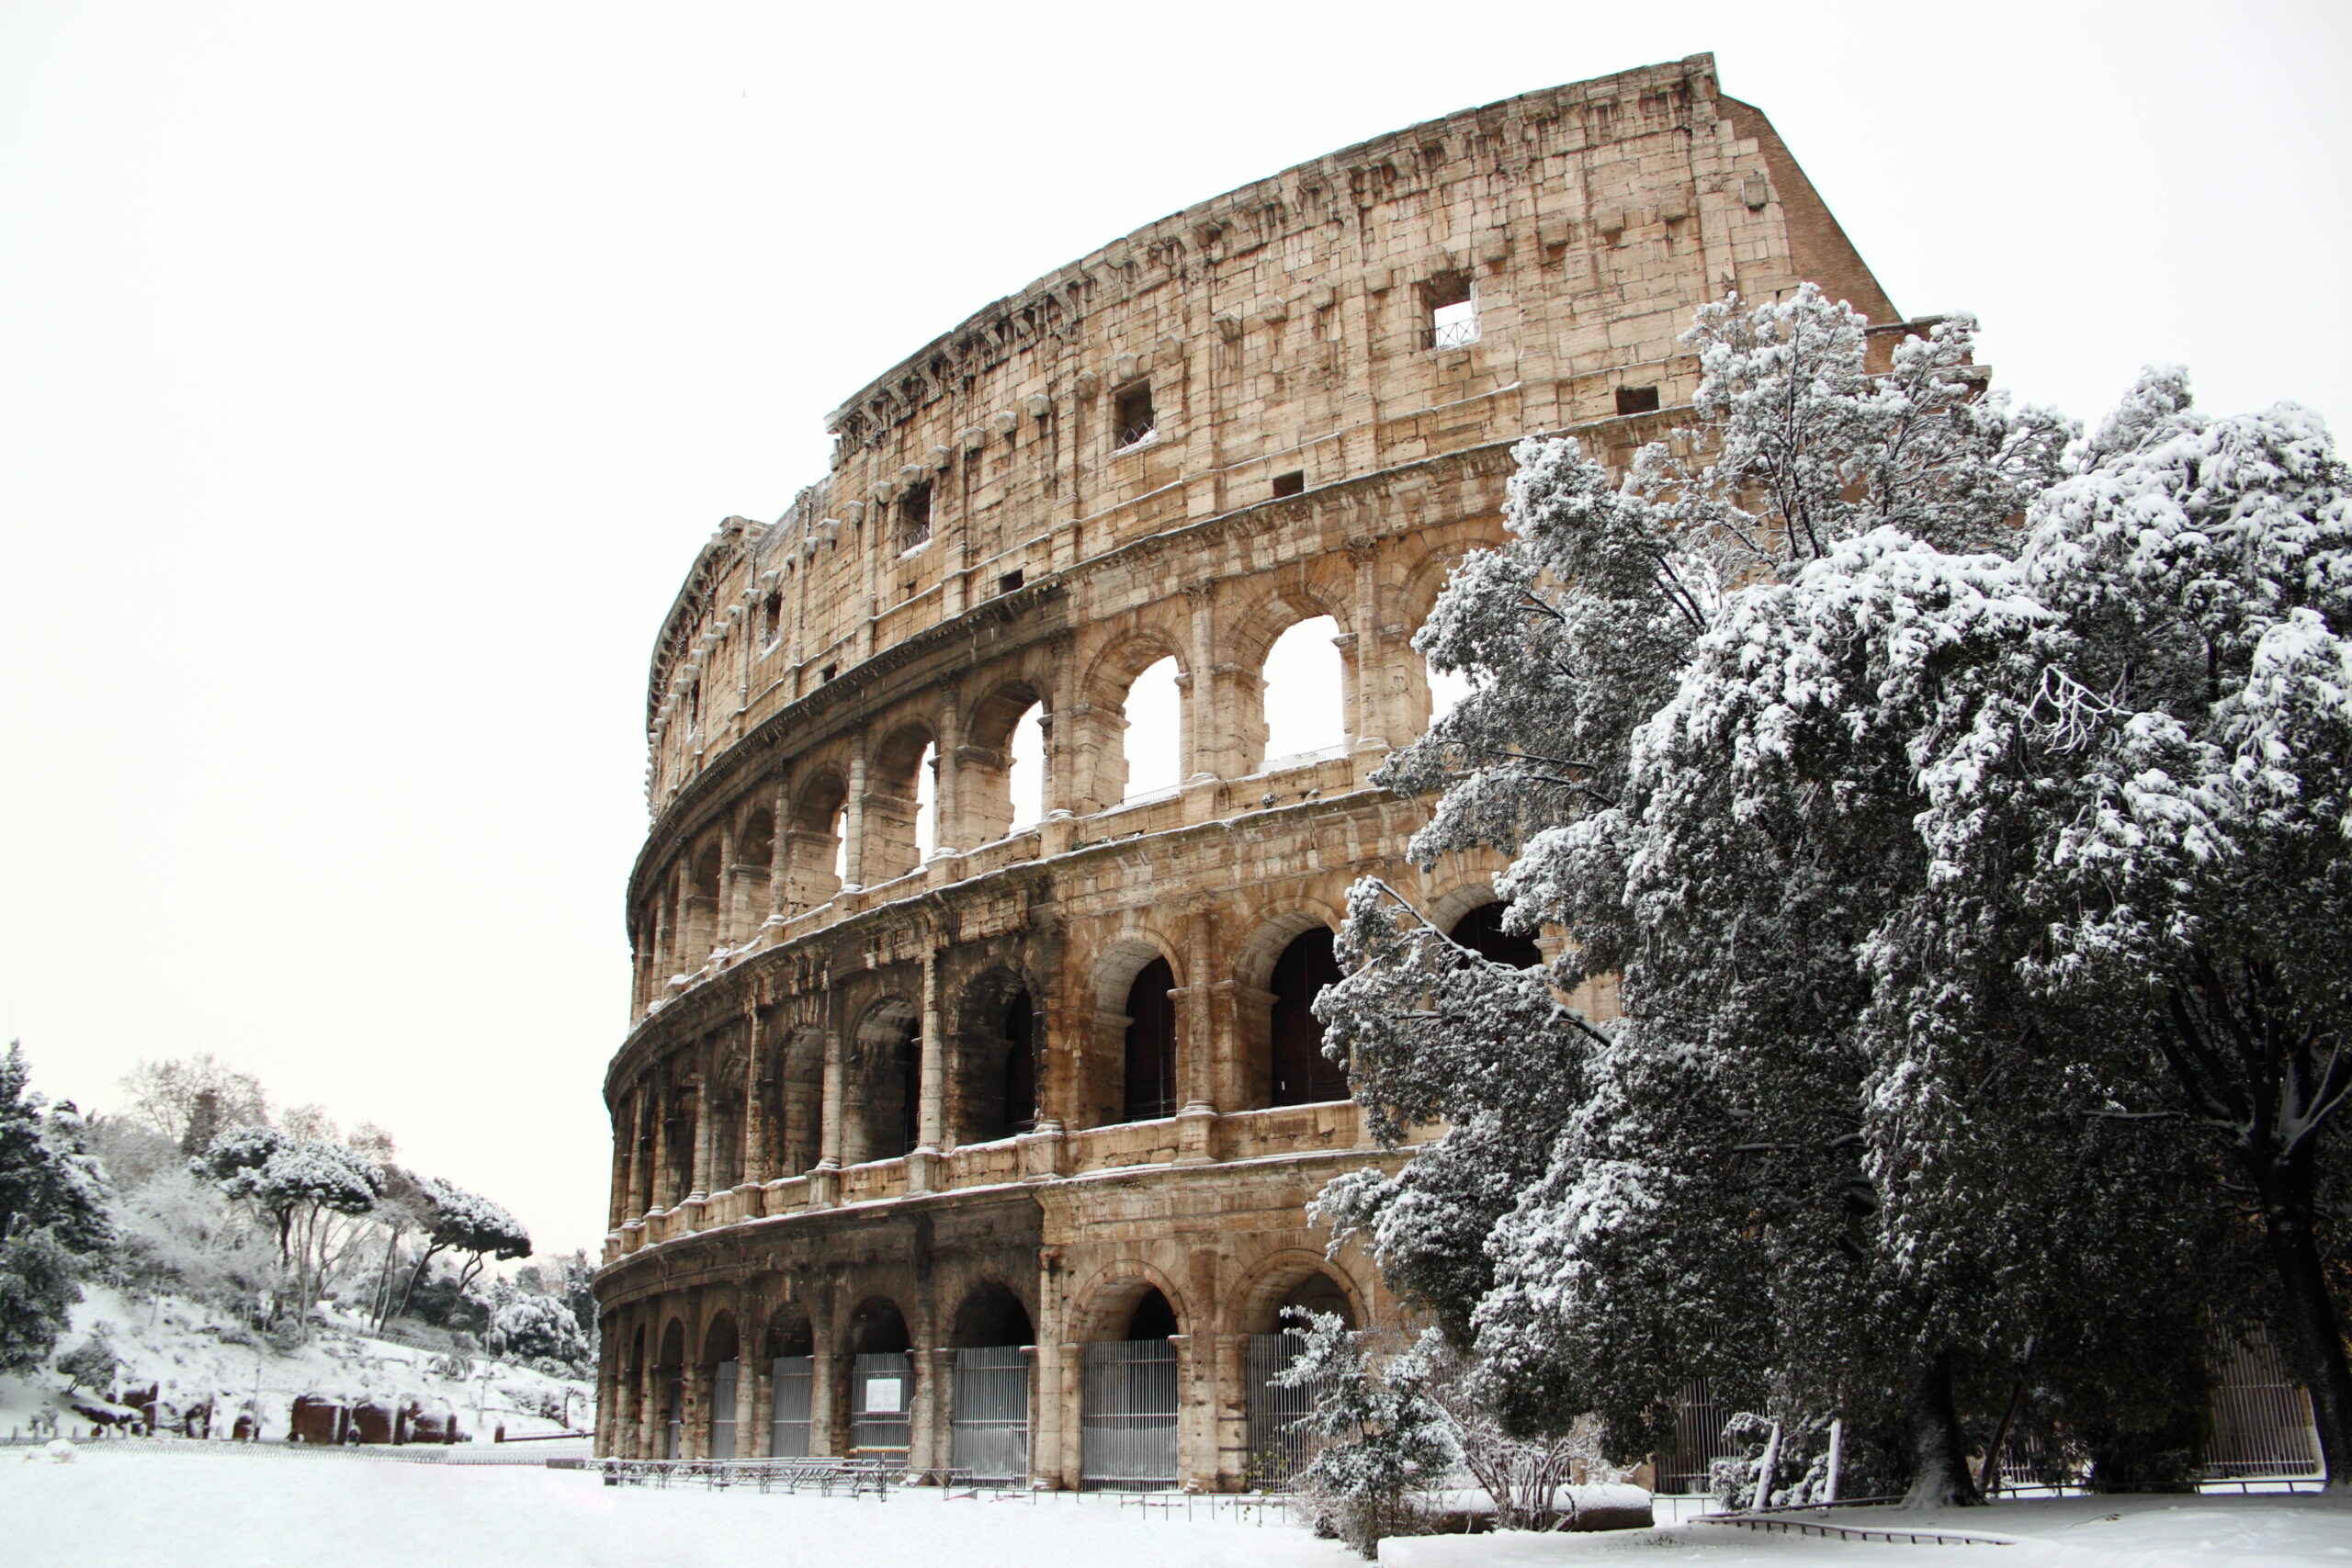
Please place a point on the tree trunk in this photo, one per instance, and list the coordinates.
(1939, 1454)
(2314, 1331)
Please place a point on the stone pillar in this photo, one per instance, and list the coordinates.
(950, 832)
(722, 919)
(1365, 652)
(665, 937)
(1068, 1411)
(657, 1187)
(1196, 1063)
(829, 1156)
(931, 1115)
(780, 853)
(756, 1165)
(705, 1124)
(824, 1395)
(927, 1435)
(758, 1376)
(751, 1441)
(1231, 1393)
(693, 1428)
(1204, 738)
(853, 818)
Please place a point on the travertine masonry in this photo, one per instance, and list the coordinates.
(1041, 1089)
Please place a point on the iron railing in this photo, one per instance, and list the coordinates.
(988, 1433)
(1279, 1445)
(793, 1378)
(881, 1408)
(1127, 1415)
(726, 1378)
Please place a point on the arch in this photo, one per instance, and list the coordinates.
(707, 865)
(1109, 1301)
(789, 1332)
(755, 841)
(1251, 641)
(990, 1314)
(887, 1053)
(800, 1094)
(673, 1346)
(994, 1092)
(1480, 929)
(875, 1327)
(1106, 688)
(1301, 1074)
(984, 764)
(1303, 688)
(813, 843)
(721, 1340)
(1295, 1278)
(1422, 584)
(1148, 1060)
(1254, 995)
(898, 788)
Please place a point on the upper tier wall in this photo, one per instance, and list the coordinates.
(1280, 329)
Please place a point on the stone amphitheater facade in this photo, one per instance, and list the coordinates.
(898, 1136)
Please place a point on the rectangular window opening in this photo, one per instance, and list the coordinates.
(1134, 418)
(1636, 399)
(1008, 582)
(1289, 484)
(772, 616)
(829, 672)
(914, 515)
(1451, 299)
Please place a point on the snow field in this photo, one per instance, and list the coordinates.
(114, 1510)
(2272, 1531)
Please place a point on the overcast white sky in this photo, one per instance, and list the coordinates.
(373, 373)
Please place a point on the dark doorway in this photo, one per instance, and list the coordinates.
(1151, 1044)
(1020, 1066)
(1302, 1074)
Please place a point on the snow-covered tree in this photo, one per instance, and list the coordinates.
(463, 1221)
(2160, 793)
(306, 1188)
(1851, 1150)
(534, 1328)
(52, 1213)
(1380, 1435)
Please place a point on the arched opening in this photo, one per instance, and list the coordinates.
(1000, 771)
(927, 804)
(722, 1358)
(988, 1425)
(814, 850)
(1025, 770)
(670, 1376)
(754, 856)
(1278, 1450)
(1148, 1083)
(801, 1097)
(1481, 930)
(724, 1092)
(792, 1377)
(1019, 1098)
(1128, 1402)
(1153, 742)
(1302, 1074)
(702, 904)
(890, 1057)
(881, 1391)
(1304, 693)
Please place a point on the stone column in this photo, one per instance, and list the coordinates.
(758, 1140)
(657, 1187)
(664, 941)
(694, 1428)
(1197, 1077)
(705, 1124)
(722, 919)
(950, 832)
(853, 818)
(1365, 652)
(927, 1422)
(1231, 1414)
(829, 1156)
(758, 1376)
(824, 1396)
(1203, 735)
(931, 1115)
(1069, 1410)
(780, 853)
(751, 1442)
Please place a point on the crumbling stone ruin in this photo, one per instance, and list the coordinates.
(997, 1156)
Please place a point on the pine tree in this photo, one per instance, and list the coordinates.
(52, 1213)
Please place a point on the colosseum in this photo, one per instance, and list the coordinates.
(973, 1101)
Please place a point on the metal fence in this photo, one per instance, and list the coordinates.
(725, 1379)
(794, 1378)
(2262, 1418)
(1278, 1446)
(674, 1418)
(989, 1434)
(1127, 1415)
(881, 1408)
(1699, 1442)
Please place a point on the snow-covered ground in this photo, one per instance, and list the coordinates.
(191, 1356)
(2271, 1531)
(289, 1509)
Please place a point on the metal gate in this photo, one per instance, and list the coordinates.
(2262, 1417)
(794, 1380)
(1698, 1442)
(881, 1405)
(724, 1379)
(1279, 1449)
(1127, 1415)
(673, 1403)
(990, 1431)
